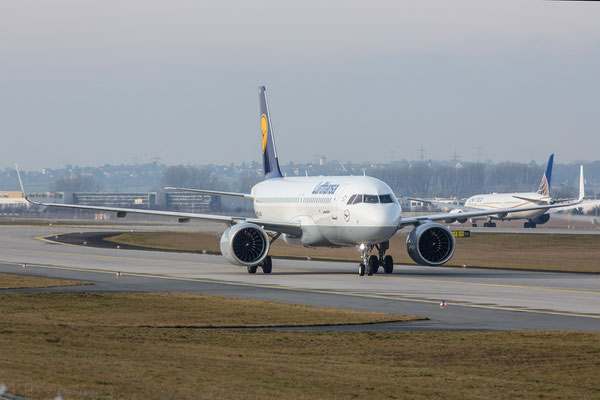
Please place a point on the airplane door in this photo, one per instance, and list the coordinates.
(339, 199)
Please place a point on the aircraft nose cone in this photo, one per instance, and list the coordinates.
(386, 217)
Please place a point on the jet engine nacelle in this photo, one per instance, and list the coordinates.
(430, 244)
(245, 244)
(542, 219)
(456, 220)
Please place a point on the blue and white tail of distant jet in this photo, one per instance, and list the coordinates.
(329, 211)
(544, 188)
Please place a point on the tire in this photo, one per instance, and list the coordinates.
(252, 269)
(526, 225)
(361, 269)
(388, 264)
(267, 265)
(373, 264)
(492, 224)
(532, 225)
(474, 225)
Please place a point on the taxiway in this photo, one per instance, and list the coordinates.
(476, 298)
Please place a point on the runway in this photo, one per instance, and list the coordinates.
(476, 298)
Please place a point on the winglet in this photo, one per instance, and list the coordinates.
(581, 185)
(20, 181)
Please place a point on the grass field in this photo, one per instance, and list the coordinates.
(171, 310)
(9, 281)
(100, 346)
(553, 252)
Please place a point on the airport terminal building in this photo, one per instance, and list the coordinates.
(175, 201)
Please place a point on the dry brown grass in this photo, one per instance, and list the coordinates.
(171, 310)
(10, 281)
(85, 362)
(574, 253)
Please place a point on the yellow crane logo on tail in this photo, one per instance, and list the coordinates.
(264, 125)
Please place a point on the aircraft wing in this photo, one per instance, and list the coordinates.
(585, 204)
(290, 227)
(451, 217)
(444, 205)
(212, 192)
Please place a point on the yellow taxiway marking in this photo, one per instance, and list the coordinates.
(321, 291)
(493, 285)
(567, 290)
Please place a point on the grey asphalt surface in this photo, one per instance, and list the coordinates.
(477, 299)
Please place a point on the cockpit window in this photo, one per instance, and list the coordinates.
(371, 198)
(385, 198)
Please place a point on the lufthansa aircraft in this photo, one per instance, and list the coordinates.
(496, 201)
(333, 211)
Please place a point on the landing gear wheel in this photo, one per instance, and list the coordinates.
(388, 264)
(474, 225)
(267, 265)
(526, 225)
(252, 269)
(361, 269)
(532, 225)
(373, 265)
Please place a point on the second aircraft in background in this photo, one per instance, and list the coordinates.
(507, 201)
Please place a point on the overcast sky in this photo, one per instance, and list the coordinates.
(95, 82)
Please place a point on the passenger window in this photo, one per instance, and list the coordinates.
(358, 199)
(385, 198)
(351, 199)
(371, 198)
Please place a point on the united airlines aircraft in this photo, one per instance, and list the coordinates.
(508, 201)
(324, 211)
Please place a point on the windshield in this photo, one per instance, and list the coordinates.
(371, 199)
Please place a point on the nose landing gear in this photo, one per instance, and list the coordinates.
(371, 264)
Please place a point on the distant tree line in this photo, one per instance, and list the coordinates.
(75, 183)
(419, 179)
(427, 180)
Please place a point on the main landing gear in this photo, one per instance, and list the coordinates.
(266, 265)
(371, 264)
(489, 224)
(529, 224)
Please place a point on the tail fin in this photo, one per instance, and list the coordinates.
(270, 161)
(545, 184)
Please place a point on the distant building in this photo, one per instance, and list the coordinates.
(15, 199)
(115, 199)
(191, 202)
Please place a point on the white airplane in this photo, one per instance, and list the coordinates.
(508, 201)
(332, 211)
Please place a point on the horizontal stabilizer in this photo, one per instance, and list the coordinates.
(536, 201)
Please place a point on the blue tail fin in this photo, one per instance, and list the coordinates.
(270, 161)
(545, 184)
